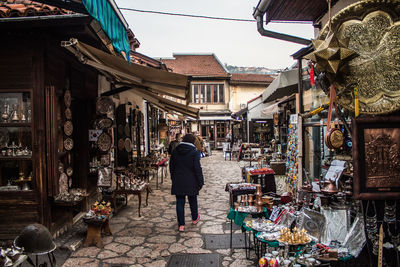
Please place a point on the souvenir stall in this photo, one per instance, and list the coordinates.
(46, 102)
(345, 209)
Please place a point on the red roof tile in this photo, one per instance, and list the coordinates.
(196, 65)
(25, 8)
(251, 78)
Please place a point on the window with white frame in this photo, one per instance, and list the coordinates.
(208, 93)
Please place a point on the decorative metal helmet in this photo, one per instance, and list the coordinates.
(35, 239)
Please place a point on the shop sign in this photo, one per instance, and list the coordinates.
(94, 134)
(293, 118)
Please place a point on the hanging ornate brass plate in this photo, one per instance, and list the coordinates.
(105, 123)
(68, 144)
(68, 128)
(104, 105)
(128, 145)
(373, 31)
(121, 144)
(127, 130)
(120, 129)
(67, 98)
(68, 114)
(104, 142)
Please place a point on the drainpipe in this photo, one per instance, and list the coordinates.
(277, 35)
(258, 15)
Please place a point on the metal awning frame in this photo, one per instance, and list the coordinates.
(86, 57)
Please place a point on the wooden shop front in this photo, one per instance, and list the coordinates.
(47, 102)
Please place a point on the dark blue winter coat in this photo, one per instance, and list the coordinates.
(186, 174)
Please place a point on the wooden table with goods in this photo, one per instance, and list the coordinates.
(94, 229)
(127, 192)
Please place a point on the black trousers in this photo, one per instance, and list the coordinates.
(180, 208)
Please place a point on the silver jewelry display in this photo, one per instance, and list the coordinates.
(389, 215)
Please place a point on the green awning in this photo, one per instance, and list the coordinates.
(102, 11)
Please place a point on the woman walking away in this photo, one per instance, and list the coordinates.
(187, 178)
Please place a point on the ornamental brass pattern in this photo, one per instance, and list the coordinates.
(382, 157)
(373, 28)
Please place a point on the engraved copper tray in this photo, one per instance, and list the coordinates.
(373, 29)
(104, 105)
(105, 123)
(68, 144)
(121, 144)
(128, 145)
(68, 114)
(67, 98)
(127, 130)
(105, 160)
(104, 142)
(68, 128)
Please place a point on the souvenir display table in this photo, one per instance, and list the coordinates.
(97, 220)
(162, 164)
(144, 188)
(94, 229)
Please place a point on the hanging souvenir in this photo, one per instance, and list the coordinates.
(121, 144)
(127, 130)
(370, 29)
(105, 123)
(104, 142)
(67, 98)
(69, 171)
(333, 137)
(68, 128)
(104, 105)
(68, 144)
(128, 145)
(68, 114)
(105, 160)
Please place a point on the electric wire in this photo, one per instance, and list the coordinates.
(202, 16)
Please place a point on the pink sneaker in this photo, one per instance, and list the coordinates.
(197, 220)
(181, 228)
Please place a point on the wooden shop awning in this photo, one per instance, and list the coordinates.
(165, 104)
(152, 80)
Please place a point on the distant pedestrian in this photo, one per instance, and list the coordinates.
(174, 143)
(187, 178)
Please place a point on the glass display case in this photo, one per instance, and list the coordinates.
(16, 141)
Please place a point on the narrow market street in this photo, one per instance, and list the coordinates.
(151, 239)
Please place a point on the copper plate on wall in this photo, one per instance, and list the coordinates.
(69, 171)
(68, 128)
(120, 129)
(128, 145)
(127, 130)
(68, 144)
(104, 142)
(121, 144)
(67, 98)
(104, 105)
(105, 160)
(105, 123)
(68, 114)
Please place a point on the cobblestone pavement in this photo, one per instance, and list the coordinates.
(152, 238)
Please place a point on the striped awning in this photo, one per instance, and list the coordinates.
(102, 11)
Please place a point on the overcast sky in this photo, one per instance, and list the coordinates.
(234, 43)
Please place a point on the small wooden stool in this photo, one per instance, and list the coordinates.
(95, 227)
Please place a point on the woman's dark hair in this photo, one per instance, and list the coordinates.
(189, 138)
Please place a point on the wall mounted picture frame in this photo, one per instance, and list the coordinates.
(376, 157)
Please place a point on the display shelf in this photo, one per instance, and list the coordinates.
(15, 124)
(16, 158)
